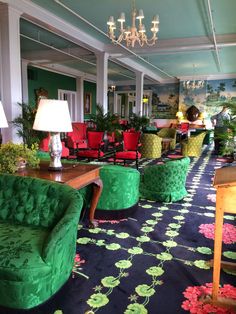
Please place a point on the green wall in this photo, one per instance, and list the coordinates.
(90, 88)
(48, 80)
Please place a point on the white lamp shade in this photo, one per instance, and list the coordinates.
(3, 119)
(53, 116)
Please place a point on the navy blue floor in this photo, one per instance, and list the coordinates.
(152, 262)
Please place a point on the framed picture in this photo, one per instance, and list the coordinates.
(87, 103)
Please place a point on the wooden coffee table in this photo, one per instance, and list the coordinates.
(74, 175)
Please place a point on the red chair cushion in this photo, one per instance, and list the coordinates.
(95, 139)
(127, 155)
(92, 153)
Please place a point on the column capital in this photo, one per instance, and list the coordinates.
(8, 8)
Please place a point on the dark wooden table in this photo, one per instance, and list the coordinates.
(74, 175)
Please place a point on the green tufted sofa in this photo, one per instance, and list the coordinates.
(38, 231)
(165, 182)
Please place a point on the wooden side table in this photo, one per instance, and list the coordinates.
(74, 175)
(225, 183)
(166, 144)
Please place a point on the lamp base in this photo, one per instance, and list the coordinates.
(55, 168)
(55, 149)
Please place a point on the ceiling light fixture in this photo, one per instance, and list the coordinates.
(193, 84)
(133, 34)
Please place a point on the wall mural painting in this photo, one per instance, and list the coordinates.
(219, 91)
(165, 101)
(209, 98)
(188, 98)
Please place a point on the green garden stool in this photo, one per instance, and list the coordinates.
(120, 192)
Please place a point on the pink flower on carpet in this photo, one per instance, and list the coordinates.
(78, 260)
(77, 263)
(110, 221)
(228, 233)
(211, 197)
(196, 295)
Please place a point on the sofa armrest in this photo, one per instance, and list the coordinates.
(64, 232)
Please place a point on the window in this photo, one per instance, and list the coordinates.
(71, 98)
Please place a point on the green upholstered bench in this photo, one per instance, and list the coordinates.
(165, 182)
(38, 232)
(120, 192)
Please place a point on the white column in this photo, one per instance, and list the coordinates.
(115, 108)
(139, 93)
(80, 98)
(24, 77)
(102, 66)
(10, 67)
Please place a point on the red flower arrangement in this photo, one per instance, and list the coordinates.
(197, 294)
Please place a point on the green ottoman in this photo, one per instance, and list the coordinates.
(165, 182)
(120, 192)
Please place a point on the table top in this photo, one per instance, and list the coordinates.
(68, 173)
(225, 176)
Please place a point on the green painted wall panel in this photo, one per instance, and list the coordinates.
(90, 88)
(48, 80)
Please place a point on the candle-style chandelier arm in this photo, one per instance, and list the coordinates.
(133, 34)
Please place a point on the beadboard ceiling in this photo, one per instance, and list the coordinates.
(193, 33)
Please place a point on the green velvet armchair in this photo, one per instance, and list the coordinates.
(165, 182)
(193, 145)
(168, 133)
(151, 146)
(38, 232)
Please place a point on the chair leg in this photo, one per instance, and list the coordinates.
(137, 164)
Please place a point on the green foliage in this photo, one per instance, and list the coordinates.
(138, 122)
(104, 121)
(11, 154)
(24, 124)
(229, 137)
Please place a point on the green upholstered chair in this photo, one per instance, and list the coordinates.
(193, 145)
(165, 182)
(38, 232)
(151, 146)
(120, 191)
(168, 133)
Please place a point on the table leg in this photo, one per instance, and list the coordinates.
(219, 216)
(97, 190)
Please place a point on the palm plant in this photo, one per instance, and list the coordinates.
(24, 125)
(138, 122)
(104, 121)
(229, 137)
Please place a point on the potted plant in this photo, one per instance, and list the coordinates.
(229, 137)
(104, 122)
(24, 124)
(138, 122)
(16, 156)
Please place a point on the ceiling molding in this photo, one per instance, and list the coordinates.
(176, 45)
(42, 17)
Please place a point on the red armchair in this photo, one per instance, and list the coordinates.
(78, 137)
(44, 147)
(94, 146)
(131, 145)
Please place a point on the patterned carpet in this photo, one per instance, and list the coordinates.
(153, 262)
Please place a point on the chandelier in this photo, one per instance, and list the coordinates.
(193, 84)
(133, 34)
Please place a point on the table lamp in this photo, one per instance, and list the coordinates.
(53, 116)
(180, 116)
(3, 120)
